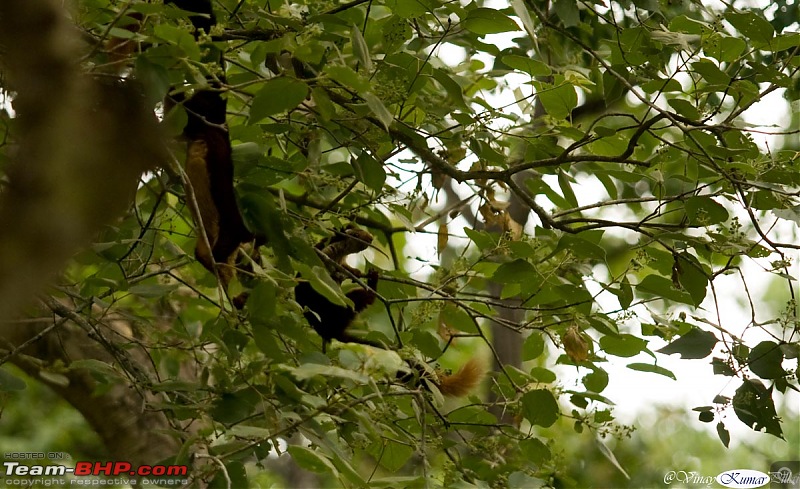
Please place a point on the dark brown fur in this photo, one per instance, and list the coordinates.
(331, 320)
(209, 167)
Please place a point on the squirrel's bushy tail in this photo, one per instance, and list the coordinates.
(462, 382)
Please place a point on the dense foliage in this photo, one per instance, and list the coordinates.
(571, 199)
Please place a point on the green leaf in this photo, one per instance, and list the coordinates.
(624, 345)
(596, 381)
(784, 42)
(650, 5)
(603, 416)
(391, 455)
(704, 211)
(154, 79)
(395, 33)
(765, 360)
(323, 104)
(323, 283)
(347, 77)
(516, 272)
(236, 474)
(533, 346)
(724, 49)
(278, 95)
(260, 170)
(398, 481)
(246, 157)
(567, 12)
(61, 380)
(661, 85)
(790, 350)
(711, 72)
(692, 345)
(262, 301)
(613, 88)
(311, 460)
(234, 342)
(96, 367)
(175, 386)
(521, 10)
(612, 144)
(754, 406)
(234, 407)
(565, 182)
(543, 375)
(631, 46)
(179, 37)
(472, 414)
(536, 452)
(484, 21)
(310, 370)
(625, 294)
(525, 64)
(369, 171)
(683, 23)
(152, 291)
(608, 454)
(581, 247)
(706, 416)
(409, 8)
(790, 214)
(646, 367)
(10, 382)
(426, 342)
(679, 40)
(752, 26)
(724, 434)
(265, 216)
(519, 478)
(558, 101)
(146, 8)
(721, 367)
(360, 48)
(537, 186)
(311, 51)
(252, 432)
(454, 91)
(482, 239)
(457, 319)
(579, 398)
(540, 407)
(604, 132)
(663, 288)
(684, 108)
(381, 112)
(692, 277)
(174, 121)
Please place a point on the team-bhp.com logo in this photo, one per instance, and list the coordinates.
(108, 469)
(743, 478)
